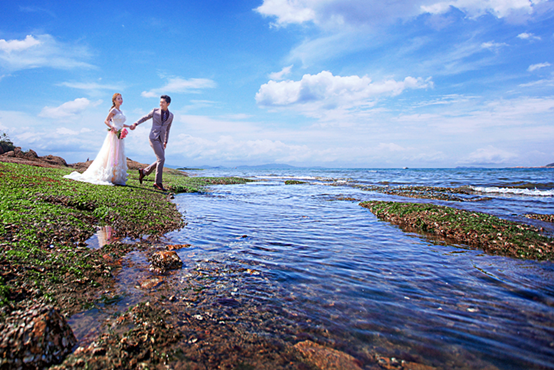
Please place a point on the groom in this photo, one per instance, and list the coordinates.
(161, 123)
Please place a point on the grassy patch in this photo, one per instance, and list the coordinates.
(294, 182)
(478, 230)
(46, 219)
(461, 194)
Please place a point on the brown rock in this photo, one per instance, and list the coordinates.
(31, 154)
(151, 283)
(18, 152)
(55, 160)
(326, 358)
(38, 335)
(166, 260)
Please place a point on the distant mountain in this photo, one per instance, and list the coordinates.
(550, 165)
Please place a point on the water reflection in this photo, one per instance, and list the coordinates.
(104, 235)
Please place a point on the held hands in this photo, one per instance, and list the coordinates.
(133, 126)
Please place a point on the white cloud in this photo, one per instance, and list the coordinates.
(16, 45)
(230, 148)
(476, 8)
(489, 155)
(90, 86)
(528, 36)
(41, 51)
(287, 11)
(327, 92)
(279, 75)
(534, 67)
(336, 13)
(179, 85)
(491, 45)
(352, 13)
(70, 109)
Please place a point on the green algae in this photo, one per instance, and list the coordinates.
(294, 182)
(46, 220)
(479, 230)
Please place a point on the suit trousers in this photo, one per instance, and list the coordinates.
(159, 150)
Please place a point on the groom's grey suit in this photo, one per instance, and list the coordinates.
(158, 139)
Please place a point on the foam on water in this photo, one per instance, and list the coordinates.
(525, 192)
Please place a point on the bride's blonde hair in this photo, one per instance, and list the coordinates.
(113, 99)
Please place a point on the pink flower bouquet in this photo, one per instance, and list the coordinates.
(121, 133)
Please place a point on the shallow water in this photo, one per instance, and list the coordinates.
(300, 264)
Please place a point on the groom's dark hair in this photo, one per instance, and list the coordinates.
(166, 98)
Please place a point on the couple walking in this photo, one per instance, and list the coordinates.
(110, 165)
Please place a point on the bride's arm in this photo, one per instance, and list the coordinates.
(109, 119)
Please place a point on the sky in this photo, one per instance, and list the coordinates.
(332, 83)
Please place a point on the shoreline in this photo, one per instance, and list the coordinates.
(74, 278)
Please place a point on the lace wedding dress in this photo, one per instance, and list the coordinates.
(110, 165)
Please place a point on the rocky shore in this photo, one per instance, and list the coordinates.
(48, 273)
(474, 229)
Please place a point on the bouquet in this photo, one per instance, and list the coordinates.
(121, 133)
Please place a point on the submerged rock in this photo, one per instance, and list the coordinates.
(326, 358)
(34, 337)
(165, 260)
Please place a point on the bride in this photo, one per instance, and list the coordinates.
(110, 165)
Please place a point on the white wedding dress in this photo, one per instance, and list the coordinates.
(110, 165)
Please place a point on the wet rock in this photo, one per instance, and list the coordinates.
(151, 283)
(34, 337)
(396, 364)
(326, 358)
(173, 247)
(165, 260)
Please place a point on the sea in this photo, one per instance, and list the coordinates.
(306, 262)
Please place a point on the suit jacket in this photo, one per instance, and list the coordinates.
(159, 131)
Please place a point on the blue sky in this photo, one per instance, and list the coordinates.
(334, 83)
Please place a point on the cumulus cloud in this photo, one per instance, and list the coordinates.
(325, 91)
(368, 12)
(334, 12)
(476, 8)
(70, 109)
(279, 75)
(528, 36)
(41, 51)
(179, 85)
(489, 155)
(534, 67)
(16, 45)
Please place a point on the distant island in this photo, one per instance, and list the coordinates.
(282, 166)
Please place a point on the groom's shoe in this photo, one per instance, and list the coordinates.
(159, 187)
(141, 175)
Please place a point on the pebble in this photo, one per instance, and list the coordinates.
(35, 335)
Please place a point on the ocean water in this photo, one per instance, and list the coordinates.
(307, 262)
